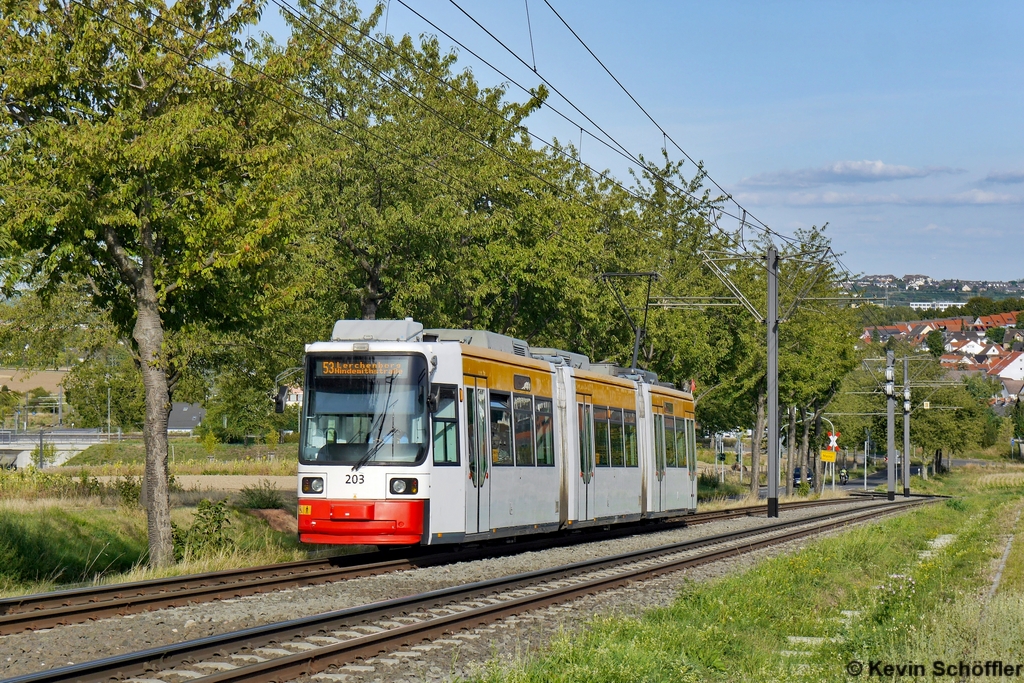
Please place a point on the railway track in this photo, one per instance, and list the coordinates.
(286, 650)
(46, 610)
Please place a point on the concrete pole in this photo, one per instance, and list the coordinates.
(42, 462)
(890, 416)
(906, 427)
(772, 323)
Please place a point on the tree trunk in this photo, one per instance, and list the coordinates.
(149, 335)
(755, 445)
(819, 466)
(805, 438)
(790, 450)
(371, 296)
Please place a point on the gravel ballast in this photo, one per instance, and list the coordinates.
(29, 652)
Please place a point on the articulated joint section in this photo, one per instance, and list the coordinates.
(371, 522)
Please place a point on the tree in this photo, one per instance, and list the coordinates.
(135, 169)
(1017, 415)
(936, 342)
(87, 387)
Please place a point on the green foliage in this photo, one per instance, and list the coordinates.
(804, 489)
(1017, 416)
(87, 383)
(262, 496)
(49, 454)
(208, 533)
(129, 490)
(936, 343)
(32, 483)
(982, 387)
(210, 441)
(995, 334)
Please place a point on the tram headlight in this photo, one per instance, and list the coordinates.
(312, 484)
(405, 486)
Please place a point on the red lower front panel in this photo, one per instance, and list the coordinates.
(361, 522)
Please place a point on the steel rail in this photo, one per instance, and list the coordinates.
(165, 657)
(46, 610)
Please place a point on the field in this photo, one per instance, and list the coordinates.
(908, 590)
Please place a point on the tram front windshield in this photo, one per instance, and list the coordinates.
(365, 410)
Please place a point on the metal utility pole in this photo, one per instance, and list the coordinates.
(890, 415)
(42, 462)
(772, 323)
(108, 412)
(906, 427)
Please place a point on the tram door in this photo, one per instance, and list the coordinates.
(478, 491)
(585, 499)
(660, 484)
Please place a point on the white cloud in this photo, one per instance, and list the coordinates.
(843, 172)
(1005, 177)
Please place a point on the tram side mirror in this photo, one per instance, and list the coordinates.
(282, 392)
(433, 399)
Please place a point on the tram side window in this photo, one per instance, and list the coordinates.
(691, 433)
(446, 427)
(682, 455)
(522, 408)
(601, 454)
(631, 444)
(670, 442)
(545, 433)
(616, 437)
(501, 429)
(659, 442)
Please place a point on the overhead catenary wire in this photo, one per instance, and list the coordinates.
(614, 145)
(665, 134)
(298, 15)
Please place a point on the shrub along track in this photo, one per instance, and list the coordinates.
(285, 650)
(46, 610)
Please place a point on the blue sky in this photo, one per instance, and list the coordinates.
(898, 123)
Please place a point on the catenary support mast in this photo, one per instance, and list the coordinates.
(772, 323)
(906, 427)
(890, 416)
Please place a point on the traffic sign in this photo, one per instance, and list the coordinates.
(828, 456)
(833, 442)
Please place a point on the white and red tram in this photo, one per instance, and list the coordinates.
(413, 436)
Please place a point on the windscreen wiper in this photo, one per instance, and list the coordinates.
(373, 451)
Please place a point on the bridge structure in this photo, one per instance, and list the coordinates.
(19, 449)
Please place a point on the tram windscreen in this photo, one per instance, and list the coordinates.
(365, 410)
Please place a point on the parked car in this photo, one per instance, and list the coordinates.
(796, 476)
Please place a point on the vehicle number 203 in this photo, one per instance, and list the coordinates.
(354, 479)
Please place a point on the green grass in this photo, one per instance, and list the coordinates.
(184, 450)
(735, 629)
(52, 544)
(46, 545)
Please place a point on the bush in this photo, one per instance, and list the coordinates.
(207, 535)
(128, 490)
(262, 496)
(956, 504)
(804, 489)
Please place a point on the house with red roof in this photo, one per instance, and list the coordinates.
(1010, 366)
